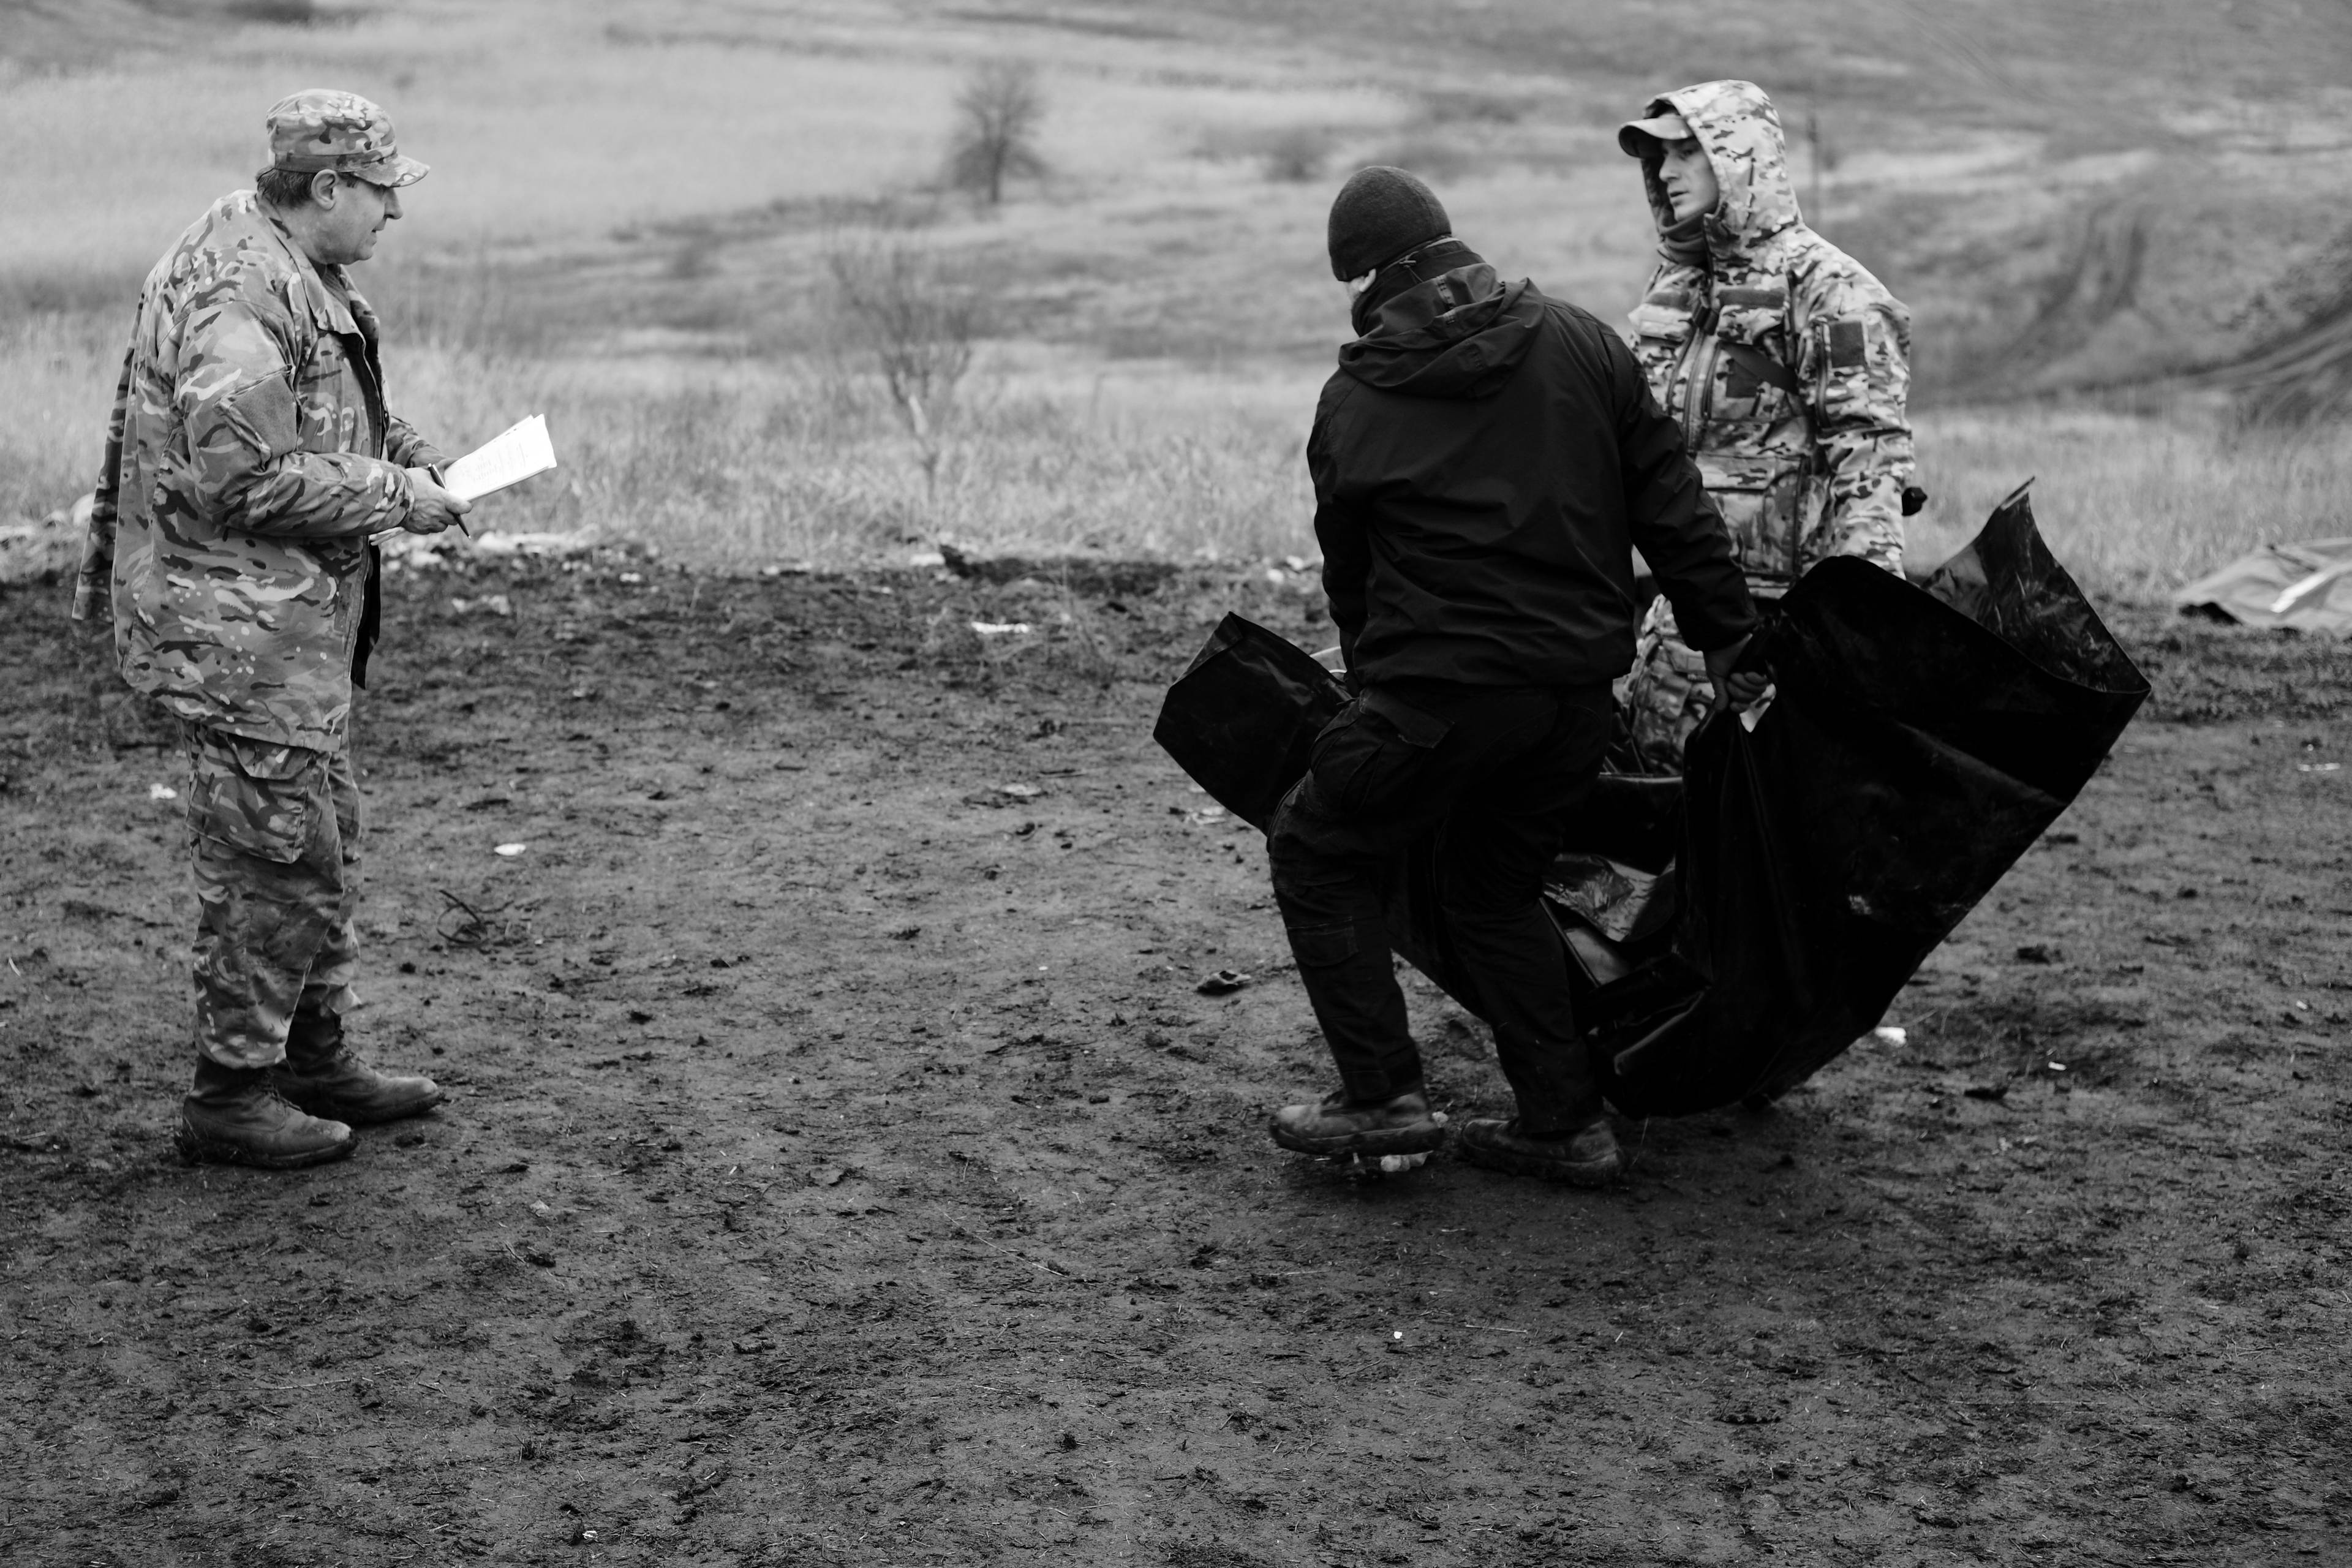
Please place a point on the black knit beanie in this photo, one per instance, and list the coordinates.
(1381, 214)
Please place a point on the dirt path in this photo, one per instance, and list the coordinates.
(844, 1169)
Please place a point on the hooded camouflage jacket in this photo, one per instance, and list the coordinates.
(248, 458)
(1800, 477)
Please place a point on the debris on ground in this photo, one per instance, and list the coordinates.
(2302, 587)
(423, 552)
(1005, 795)
(1089, 575)
(47, 550)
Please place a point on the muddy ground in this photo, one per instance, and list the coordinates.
(843, 1169)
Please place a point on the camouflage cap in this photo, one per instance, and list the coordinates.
(321, 128)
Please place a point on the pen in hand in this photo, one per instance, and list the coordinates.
(432, 509)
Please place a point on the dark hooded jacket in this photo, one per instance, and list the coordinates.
(1485, 460)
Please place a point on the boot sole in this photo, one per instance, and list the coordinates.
(354, 1117)
(1574, 1172)
(1388, 1140)
(198, 1150)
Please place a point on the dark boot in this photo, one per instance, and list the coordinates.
(233, 1117)
(1586, 1156)
(1402, 1124)
(321, 1075)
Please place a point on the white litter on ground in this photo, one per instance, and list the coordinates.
(504, 543)
(510, 850)
(1002, 628)
(1889, 1034)
(161, 792)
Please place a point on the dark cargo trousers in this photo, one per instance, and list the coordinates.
(274, 840)
(1495, 770)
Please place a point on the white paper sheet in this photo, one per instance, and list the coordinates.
(506, 460)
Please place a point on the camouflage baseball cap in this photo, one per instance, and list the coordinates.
(320, 127)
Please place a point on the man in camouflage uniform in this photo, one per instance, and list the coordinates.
(1786, 364)
(249, 464)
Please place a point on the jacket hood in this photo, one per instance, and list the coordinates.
(1450, 328)
(1740, 130)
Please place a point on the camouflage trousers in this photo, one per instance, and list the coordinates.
(274, 839)
(1668, 694)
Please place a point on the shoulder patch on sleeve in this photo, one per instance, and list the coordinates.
(264, 417)
(1849, 346)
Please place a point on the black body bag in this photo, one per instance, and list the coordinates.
(1732, 931)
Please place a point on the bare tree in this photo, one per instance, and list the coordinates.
(919, 323)
(1296, 153)
(997, 116)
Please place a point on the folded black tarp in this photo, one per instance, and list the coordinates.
(1734, 929)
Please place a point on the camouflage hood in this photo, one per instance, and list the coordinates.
(1740, 130)
(1786, 361)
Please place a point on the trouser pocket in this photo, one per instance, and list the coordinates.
(248, 798)
(1366, 759)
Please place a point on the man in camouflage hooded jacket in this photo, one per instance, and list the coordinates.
(1786, 363)
(250, 463)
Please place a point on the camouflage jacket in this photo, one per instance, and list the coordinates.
(248, 458)
(1800, 475)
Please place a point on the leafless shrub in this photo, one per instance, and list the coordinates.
(917, 320)
(1296, 153)
(1286, 152)
(997, 116)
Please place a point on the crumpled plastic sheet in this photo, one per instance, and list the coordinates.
(1732, 931)
(2302, 587)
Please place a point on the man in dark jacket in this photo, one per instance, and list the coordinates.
(1484, 461)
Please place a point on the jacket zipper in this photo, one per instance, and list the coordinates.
(1700, 398)
(1805, 470)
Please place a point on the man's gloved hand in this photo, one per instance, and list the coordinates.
(434, 509)
(1735, 690)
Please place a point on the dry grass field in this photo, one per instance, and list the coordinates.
(635, 206)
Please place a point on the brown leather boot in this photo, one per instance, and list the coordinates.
(233, 1117)
(1402, 1124)
(321, 1075)
(1585, 1156)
